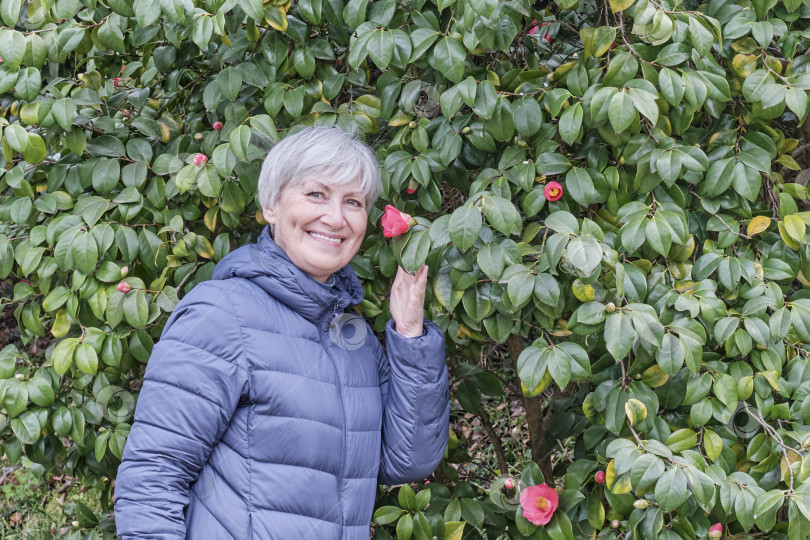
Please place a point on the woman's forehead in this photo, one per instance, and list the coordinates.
(350, 188)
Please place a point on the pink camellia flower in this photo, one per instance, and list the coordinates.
(509, 483)
(395, 222)
(217, 125)
(716, 531)
(553, 191)
(200, 159)
(412, 186)
(600, 477)
(539, 503)
(124, 287)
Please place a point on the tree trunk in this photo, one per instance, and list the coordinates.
(534, 415)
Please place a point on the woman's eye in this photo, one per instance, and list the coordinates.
(316, 194)
(355, 202)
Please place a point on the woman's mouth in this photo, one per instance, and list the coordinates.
(331, 239)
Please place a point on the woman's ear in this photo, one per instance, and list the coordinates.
(269, 215)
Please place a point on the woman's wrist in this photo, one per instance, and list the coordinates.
(410, 331)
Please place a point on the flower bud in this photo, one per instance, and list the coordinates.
(217, 125)
(198, 136)
(412, 186)
(600, 477)
(200, 159)
(716, 531)
(610, 307)
(615, 524)
(124, 287)
(19, 377)
(509, 483)
(641, 504)
(124, 272)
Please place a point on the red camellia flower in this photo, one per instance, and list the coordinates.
(553, 191)
(395, 222)
(716, 531)
(535, 28)
(124, 287)
(600, 477)
(539, 503)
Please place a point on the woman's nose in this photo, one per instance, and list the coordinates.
(333, 215)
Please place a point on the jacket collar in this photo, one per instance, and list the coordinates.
(268, 266)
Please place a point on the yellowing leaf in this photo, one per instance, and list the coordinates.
(636, 411)
(786, 237)
(758, 224)
(654, 377)
(789, 162)
(772, 377)
(712, 444)
(792, 457)
(276, 17)
(61, 324)
(622, 485)
(744, 64)
(610, 474)
(584, 293)
(620, 5)
(795, 227)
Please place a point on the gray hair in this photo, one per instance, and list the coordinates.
(319, 152)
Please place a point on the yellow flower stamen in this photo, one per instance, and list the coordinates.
(542, 503)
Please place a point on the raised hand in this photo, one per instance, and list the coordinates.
(408, 301)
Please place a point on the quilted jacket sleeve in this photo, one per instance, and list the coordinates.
(193, 383)
(416, 406)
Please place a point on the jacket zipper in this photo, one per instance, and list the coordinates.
(344, 449)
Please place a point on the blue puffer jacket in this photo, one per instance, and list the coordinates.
(269, 412)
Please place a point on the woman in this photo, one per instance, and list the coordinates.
(268, 411)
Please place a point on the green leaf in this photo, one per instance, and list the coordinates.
(491, 260)
(531, 365)
(86, 358)
(622, 68)
(412, 249)
(619, 334)
(40, 392)
(26, 427)
(584, 253)
(796, 100)
(501, 214)
(147, 12)
(229, 83)
(671, 490)
(621, 112)
(465, 226)
(12, 48)
(502, 124)
(239, 142)
(84, 251)
(579, 186)
(380, 47)
(449, 55)
(570, 123)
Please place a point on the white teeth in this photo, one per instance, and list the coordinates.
(335, 241)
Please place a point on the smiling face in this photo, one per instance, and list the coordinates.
(319, 226)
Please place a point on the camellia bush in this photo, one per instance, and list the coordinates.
(610, 195)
